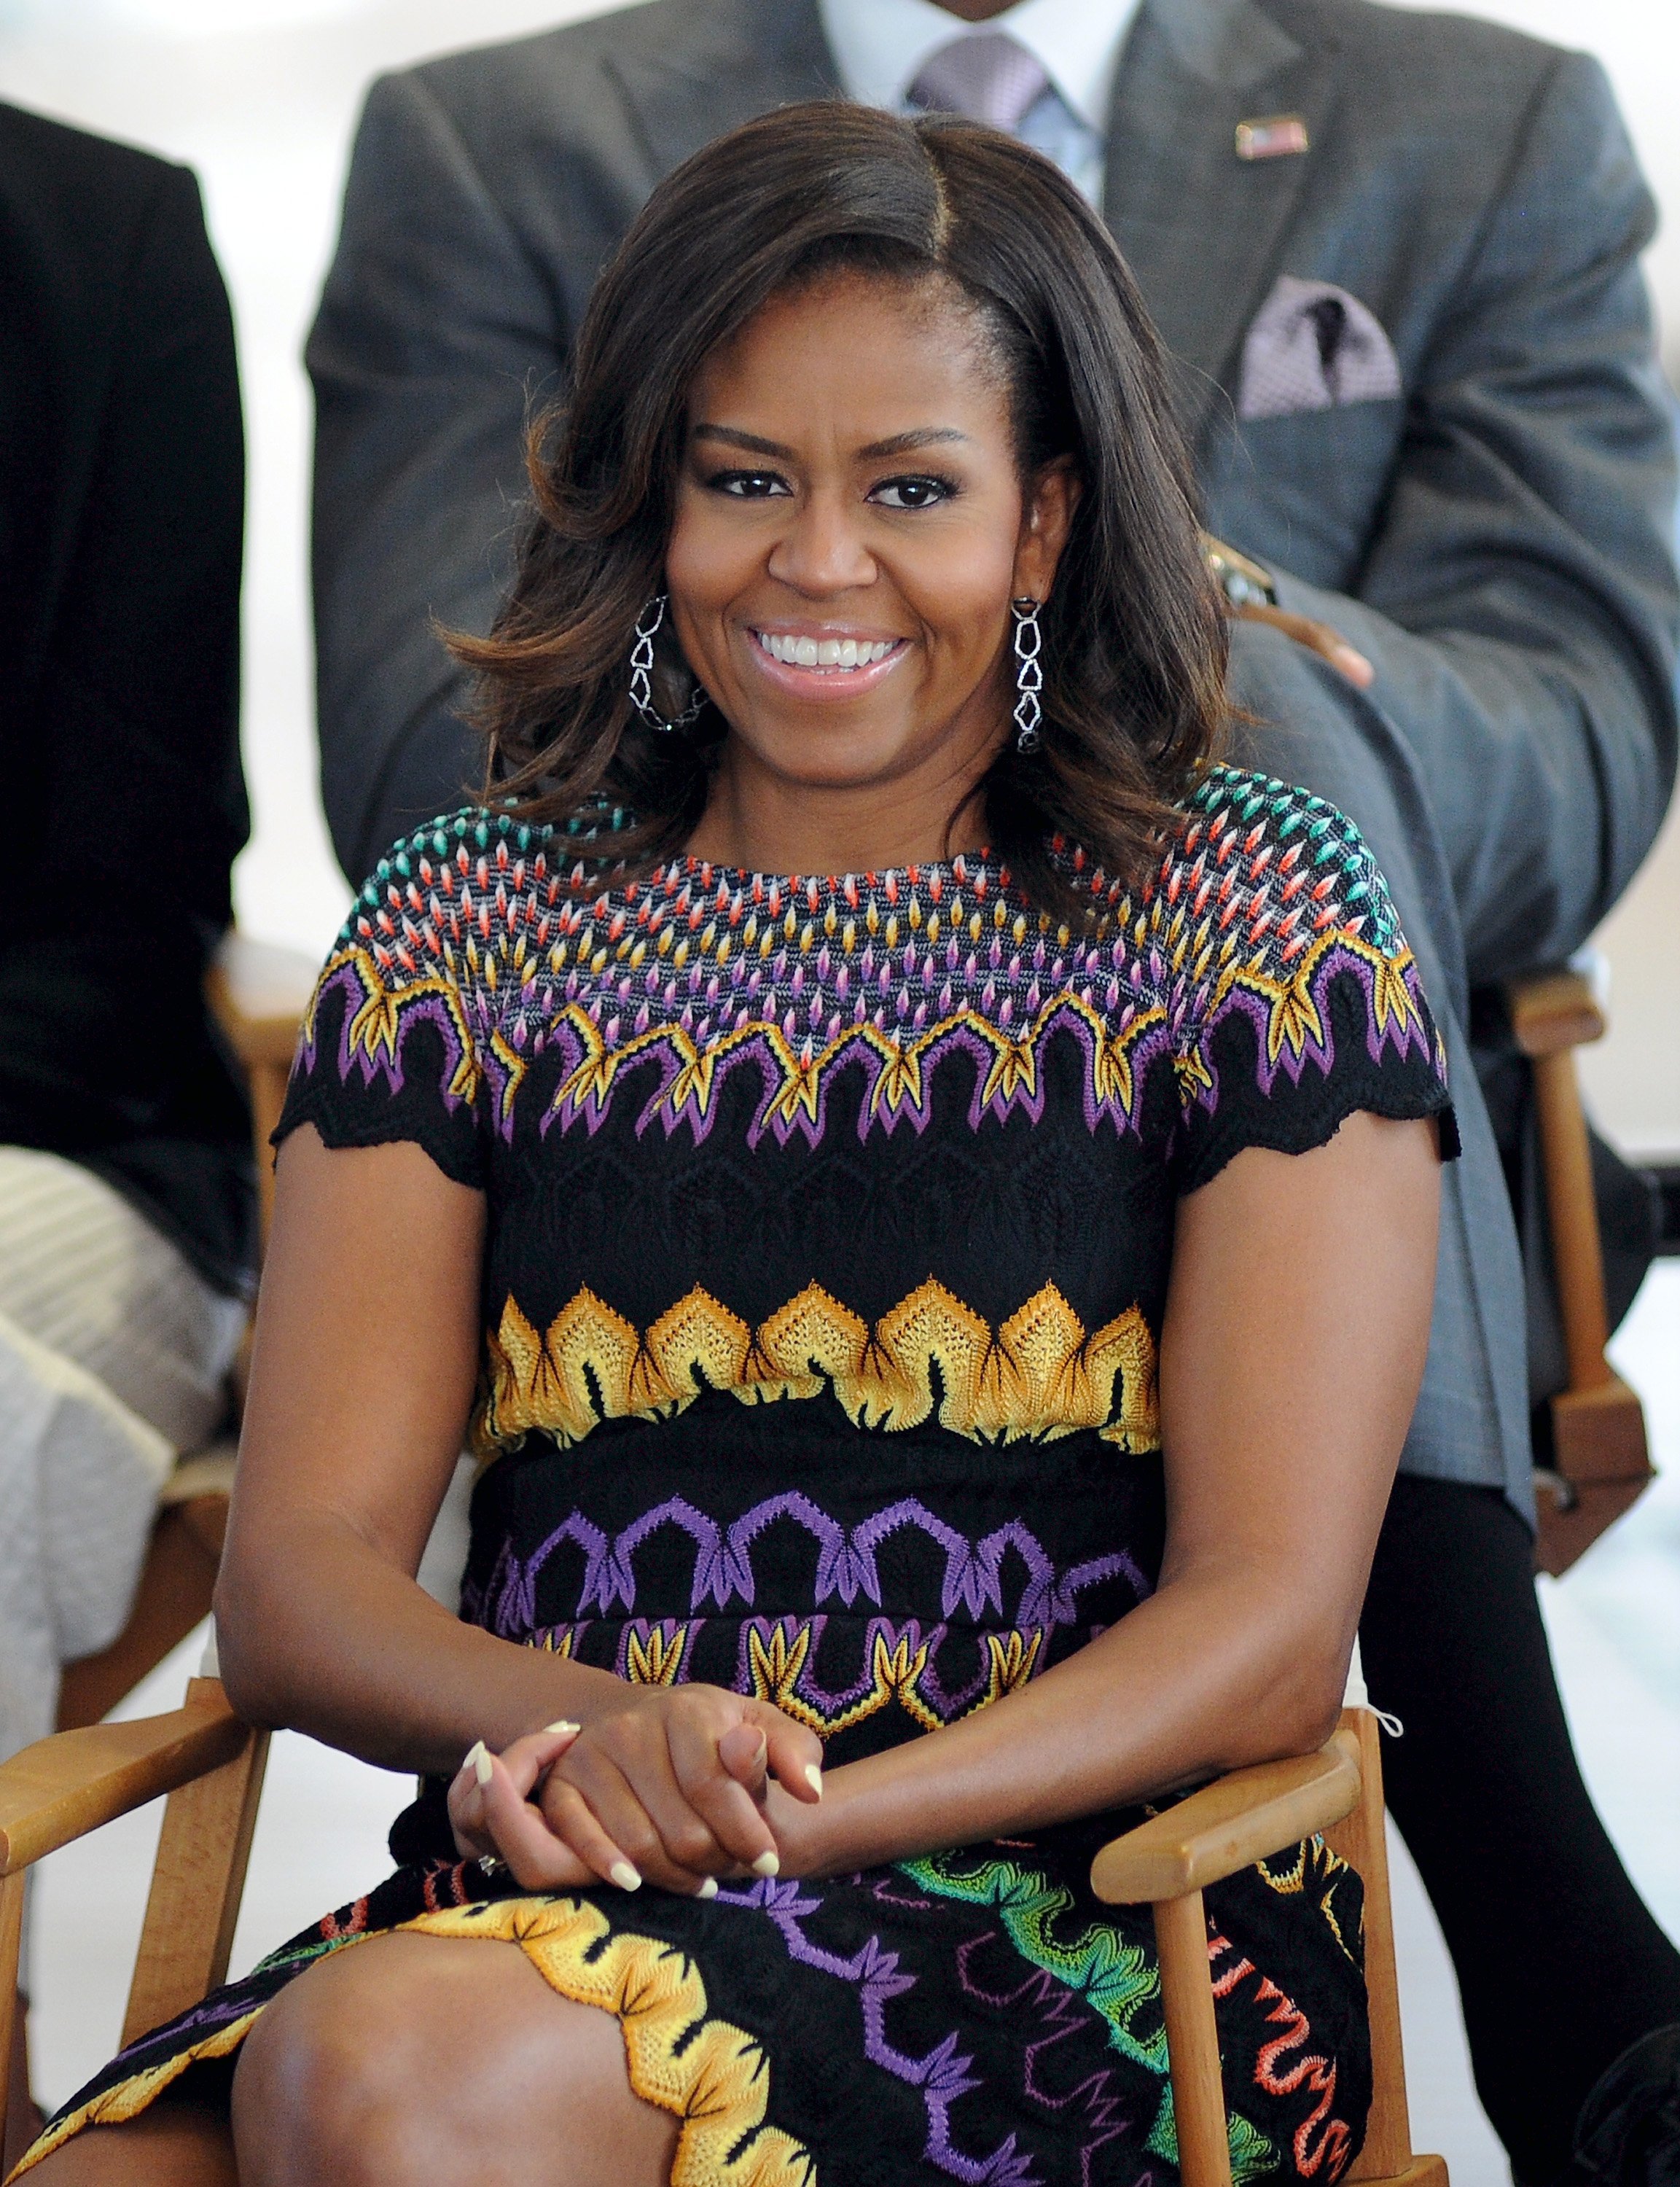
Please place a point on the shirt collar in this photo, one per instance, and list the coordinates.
(880, 46)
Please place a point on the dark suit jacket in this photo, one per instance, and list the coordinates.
(1497, 538)
(121, 517)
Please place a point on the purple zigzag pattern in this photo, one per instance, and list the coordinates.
(1060, 2014)
(944, 2074)
(845, 1566)
(757, 1050)
(428, 1010)
(1401, 1033)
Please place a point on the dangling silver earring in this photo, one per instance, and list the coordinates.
(642, 671)
(1029, 674)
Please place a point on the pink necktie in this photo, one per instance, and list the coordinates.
(988, 78)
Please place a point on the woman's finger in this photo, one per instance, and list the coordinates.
(795, 1757)
(572, 1820)
(526, 1762)
(733, 1813)
(529, 1759)
(537, 1856)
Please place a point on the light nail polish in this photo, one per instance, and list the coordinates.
(562, 1726)
(766, 1864)
(478, 1761)
(813, 1777)
(625, 1876)
(708, 1888)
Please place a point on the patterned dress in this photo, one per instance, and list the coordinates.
(829, 1241)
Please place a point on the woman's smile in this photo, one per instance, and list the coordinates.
(806, 662)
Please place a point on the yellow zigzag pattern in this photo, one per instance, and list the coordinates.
(708, 2072)
(1037, 1376)
(775, 1663)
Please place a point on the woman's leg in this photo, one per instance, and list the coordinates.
(173, 2144)
(1560, 1966)
(429, 2061)
(407, 2061)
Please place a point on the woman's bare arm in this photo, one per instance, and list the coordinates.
(366, 1358)
(1294, 1343)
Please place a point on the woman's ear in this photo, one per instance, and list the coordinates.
(1046, 518)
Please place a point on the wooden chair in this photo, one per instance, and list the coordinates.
(257, 994)
(1601, 1459)
(210, 1767)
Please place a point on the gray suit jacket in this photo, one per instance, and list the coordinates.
(1495, 537)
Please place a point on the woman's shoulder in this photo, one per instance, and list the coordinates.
(1261, 868)
(483, 861)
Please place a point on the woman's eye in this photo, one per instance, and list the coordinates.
(750, 485)
(911, 492)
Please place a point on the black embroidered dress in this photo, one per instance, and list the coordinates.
(829, 1230)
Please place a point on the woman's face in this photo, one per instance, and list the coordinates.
(850, 530)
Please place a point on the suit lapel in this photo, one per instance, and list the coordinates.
(1201, 229)
(736, 59)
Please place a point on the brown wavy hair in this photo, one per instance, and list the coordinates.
(1134, 637)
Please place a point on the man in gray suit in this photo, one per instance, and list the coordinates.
(1396, 257)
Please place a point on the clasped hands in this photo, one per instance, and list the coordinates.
(677, 1786)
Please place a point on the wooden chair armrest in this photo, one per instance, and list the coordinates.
(1229, 1824)
(61, 1788)
(1552, 1011)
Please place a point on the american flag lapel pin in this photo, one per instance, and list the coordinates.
(1274, 136)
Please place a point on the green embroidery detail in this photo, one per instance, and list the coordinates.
(1253, 2155)
(1118, 1980)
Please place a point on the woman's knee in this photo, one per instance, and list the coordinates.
(415, 2058)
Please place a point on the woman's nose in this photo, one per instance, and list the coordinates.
(822, 550)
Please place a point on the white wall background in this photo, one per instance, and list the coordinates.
(261, 97)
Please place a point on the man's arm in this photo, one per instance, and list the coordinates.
(1519, 600)
(435, 332)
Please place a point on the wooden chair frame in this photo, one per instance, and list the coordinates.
(211, 1766)
(1601, 1456)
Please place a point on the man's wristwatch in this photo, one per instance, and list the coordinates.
(1244, 583)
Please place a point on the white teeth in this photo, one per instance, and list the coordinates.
(841, 652)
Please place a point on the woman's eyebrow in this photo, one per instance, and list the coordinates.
(740, 440)
(901, 444)
(898, 444)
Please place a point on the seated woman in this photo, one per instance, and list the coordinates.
(925, 1184)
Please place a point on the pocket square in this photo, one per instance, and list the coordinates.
(1313, 346)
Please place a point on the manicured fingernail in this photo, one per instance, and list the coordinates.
(813, 1777)
(562, 1726)
(478, 1760)
(766, 1864)
(625, 1876)
(708, 1889)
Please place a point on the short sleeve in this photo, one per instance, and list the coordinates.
(1296, 999)
(391, 1047)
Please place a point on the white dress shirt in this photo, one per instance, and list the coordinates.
(881, 46)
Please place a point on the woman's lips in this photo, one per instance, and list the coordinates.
(826, 666)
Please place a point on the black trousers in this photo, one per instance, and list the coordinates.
(1560, 1966)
